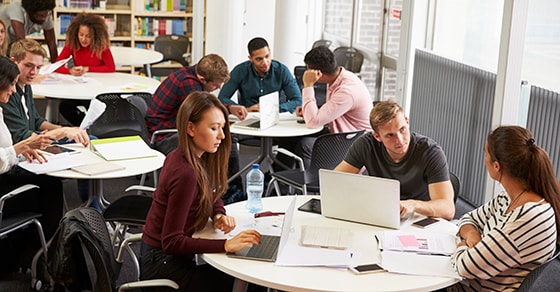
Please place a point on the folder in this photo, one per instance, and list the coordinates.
(128, 147)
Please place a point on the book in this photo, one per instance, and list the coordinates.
(128, 147)
(97, 168)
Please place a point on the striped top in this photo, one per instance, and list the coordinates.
(512, 244)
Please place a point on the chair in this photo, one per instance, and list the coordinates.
(545, 277)
(320, 88)
(456, 185)
(92, 253)
(349, 58)
(9, 224)
(174, 48)
(328, 151)
(325, 43)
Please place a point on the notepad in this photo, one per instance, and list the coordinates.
(98, 168)
(325, 237)
(119, 148)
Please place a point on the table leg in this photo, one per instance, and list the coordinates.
(148, 69)
(51, 110)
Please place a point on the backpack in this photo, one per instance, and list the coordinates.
(81, 255)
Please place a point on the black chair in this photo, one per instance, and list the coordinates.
(349, 58)
(326, 43)
(545, 277)
(174, 48)
(328, 151)
(9, 224)
(456, 183)
(320, 88)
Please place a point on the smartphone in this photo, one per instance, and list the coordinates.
(70, 63)
(367, 269)
(425, 222)
(313, 206)
(56, 149)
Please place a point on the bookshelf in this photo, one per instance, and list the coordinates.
(131, 23)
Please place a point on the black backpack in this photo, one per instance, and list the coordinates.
(81, 255)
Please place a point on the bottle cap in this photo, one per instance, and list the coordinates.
(255, 166)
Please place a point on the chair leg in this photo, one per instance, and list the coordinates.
(35, 282)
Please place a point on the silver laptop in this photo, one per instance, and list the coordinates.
(360, 198)
(269, 115)
(271, 246)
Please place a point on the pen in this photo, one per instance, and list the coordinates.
(267, 213)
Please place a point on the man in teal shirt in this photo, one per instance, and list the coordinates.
(258, 76)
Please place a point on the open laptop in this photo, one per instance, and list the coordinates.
(271, 246)
(360, 198)
(269, 113)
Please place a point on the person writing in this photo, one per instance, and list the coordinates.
(192, 179)
(517, 230)
(25, 17)
(418, 162)
(18, 248)
(88, 43)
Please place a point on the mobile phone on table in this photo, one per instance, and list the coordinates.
(367, 269)
(426, 222)
(70, 63)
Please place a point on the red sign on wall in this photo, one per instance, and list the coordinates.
(396, 13)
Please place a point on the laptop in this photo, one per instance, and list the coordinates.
(360, 198)
(269, 114)
(271, 246)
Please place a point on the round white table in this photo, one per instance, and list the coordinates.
(87, 87)
(127, 56)
(287, 278)
(286, 127)
(132, 167)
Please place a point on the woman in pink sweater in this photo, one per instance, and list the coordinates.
(87, 42)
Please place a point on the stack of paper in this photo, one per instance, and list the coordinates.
(419, 242)
(122, 148)
(55, 163)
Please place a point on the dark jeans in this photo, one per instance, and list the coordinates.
(155, 264)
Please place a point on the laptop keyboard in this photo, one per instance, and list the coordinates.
(267, 249)
(326, 237)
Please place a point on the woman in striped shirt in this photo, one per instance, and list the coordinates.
(516, 231)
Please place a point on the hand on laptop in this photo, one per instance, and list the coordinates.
(254, 108)
(239, 111)
(244, 239)
(407, 207)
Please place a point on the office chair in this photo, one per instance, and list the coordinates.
(320, 88)
(456, 185)
(328, 151)
(543, 278)
(349, 58)
(174, 48)
(325, 43)
(9, 224)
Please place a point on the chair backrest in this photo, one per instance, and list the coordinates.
(173, 47)
(121, 117)
(329, 149)
(320, 88)
(326, 43)
(456, 183)
(545, 277)
(349, 58)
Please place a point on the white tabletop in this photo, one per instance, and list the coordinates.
(92, 84)
(127, 56)
(285, 128)
(319, 278)
(132, 167)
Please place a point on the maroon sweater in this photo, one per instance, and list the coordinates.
(170, 221)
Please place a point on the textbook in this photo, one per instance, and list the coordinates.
(128, 147)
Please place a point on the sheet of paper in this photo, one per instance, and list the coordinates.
(50, 68)
(418, 241)
(294, 254)
(133, 87)
(417, 264)
(55, 163)
(96, 109)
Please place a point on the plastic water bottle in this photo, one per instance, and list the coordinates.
(255, 186)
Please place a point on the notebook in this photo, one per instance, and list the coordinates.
(269, 113)
(324, 237)
(360, 198)
(271, 246)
